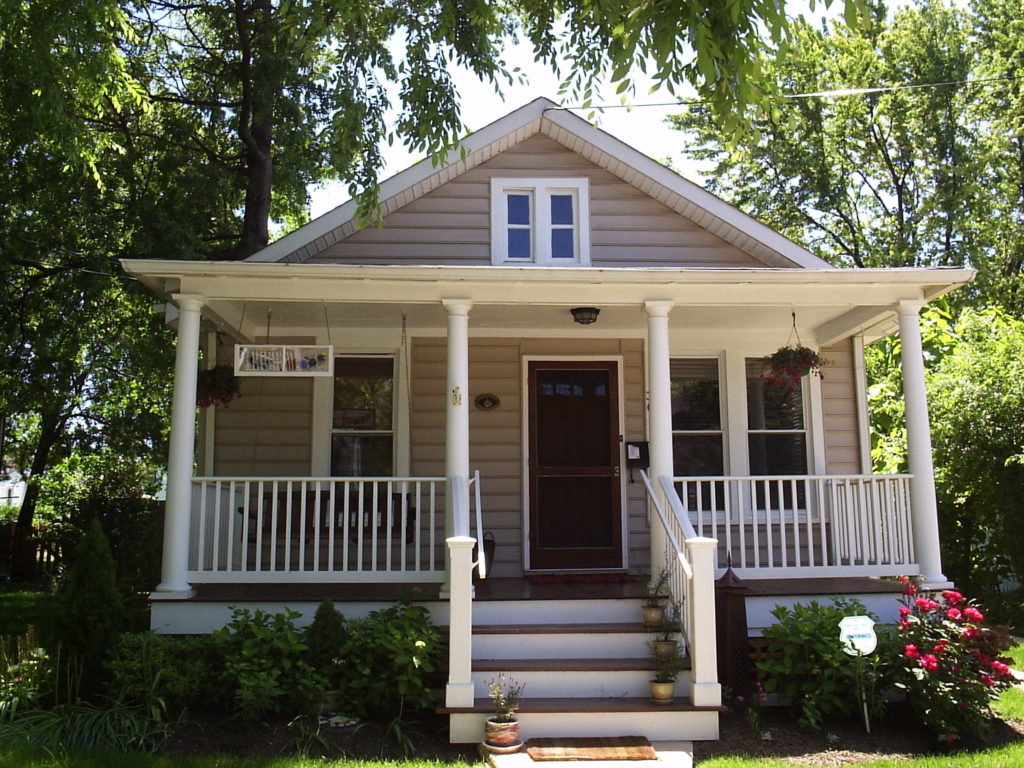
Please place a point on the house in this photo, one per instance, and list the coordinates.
(558, 341)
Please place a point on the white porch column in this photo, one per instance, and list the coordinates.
(456, 456)
(459, 691)
(177, 510)
(923, 510)
(659, 416)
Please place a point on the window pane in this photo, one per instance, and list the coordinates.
(519, 244)
(363, 392)
(778, 454)
(518, 209)
(771, 407)
(697, 455)
(360, 455)
(695, 403)
(562, 244)
(561, 209)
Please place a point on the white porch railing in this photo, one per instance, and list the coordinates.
(330, 529)
(478, 521)
(793, 525)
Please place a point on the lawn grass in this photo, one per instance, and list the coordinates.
(22, 607)
(1009, 756)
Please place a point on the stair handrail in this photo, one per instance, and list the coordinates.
(676, 504)
(670, 533)
(481, 559)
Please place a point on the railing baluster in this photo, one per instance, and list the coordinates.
(346, 494)
(229, 556)
(433, 505)
(217, 504)
(389, 501)
(317, 500)
(274, 512)
(360, 525)
(374, 526)
(332, 520)
(300, 561)
(288, 528)
(201, 554)
(794, 508)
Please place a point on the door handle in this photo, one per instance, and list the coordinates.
(616, 470)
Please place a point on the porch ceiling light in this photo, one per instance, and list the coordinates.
(584, 315)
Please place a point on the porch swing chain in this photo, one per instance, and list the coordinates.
(404, 345)
(327, 326)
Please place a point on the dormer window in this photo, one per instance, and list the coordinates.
(540, 221)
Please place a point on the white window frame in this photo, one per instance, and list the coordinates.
(722, 431)
(807, 431)
(540, 191)
(393, 432)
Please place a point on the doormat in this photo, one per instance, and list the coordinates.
(619, 748)
(582, 578)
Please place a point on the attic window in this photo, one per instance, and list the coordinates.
(540, 221)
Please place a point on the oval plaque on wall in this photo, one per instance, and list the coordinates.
(487, 402)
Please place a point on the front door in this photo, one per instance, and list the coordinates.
(574, 465)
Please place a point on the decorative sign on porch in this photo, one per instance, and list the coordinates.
(857, 634)
(284, 360)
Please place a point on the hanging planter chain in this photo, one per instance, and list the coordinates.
(789, 364)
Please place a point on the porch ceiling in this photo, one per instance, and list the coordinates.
(830, 304)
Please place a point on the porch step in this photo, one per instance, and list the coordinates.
(540, 641)
(557, 612)
(563, 665)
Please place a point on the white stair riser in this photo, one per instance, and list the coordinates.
(611, 645)
(659, 726)
(555, 611)
(580, 684)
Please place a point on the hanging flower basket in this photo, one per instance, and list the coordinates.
(788, 365)
(216, 386)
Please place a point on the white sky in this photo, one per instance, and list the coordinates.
(642, 127)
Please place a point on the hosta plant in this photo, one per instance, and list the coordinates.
(949, 663)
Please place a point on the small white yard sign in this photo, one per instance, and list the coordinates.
(857, 634)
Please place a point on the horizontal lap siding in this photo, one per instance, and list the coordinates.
(267, 432)
(451, 224)
(495, 367)
(839, 410)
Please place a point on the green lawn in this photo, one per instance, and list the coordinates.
(21, 607)
(16, 758)
(1011, 756)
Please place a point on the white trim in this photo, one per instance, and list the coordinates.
(735, 381)
(815, 426)
(525, 361)
(540, 190)
(860, 378)
(209, 414)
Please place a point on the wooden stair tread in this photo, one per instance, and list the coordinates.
(563, 665)
(605, 628)
(552, 705)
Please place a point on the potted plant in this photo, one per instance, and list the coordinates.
(501, 730)
(666, 644)
(663, 684)
(788, 365)
(654, 608)
(216, 386)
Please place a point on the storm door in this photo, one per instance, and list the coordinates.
(574, 480)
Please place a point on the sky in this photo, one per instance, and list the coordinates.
(641, 127)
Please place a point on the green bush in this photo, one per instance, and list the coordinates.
(164, 671)
(90, 613)
(389, 660)
(807, 666)
(265, 666)
(326, 638)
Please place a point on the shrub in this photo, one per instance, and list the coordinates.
(948, 662)
(264, 663)
(164, 671)
(90, 612)
(326, 638)
(389, 658)
(807, 666)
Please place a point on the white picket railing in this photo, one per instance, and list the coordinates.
(790, 525)
(329, 529)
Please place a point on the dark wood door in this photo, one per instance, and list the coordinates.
(575, 489)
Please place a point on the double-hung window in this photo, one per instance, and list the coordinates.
(540, 221)
(362, 426)
(697, 429)
(776, 431)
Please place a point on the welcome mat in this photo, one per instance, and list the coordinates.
(619, 748)
(582, 578)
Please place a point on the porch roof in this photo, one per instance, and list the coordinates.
(832, 303)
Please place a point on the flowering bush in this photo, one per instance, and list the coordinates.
(788, 365)
(949, 665)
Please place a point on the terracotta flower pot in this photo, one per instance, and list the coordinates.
(662, 693)
(501, 736)
(665, 649)
(654, 615)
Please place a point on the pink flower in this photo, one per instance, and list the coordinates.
(949, 736)
(904, 625)
(925, 604)
(970, 633)
(1000, 668)
(929, 662)
(954, 614)
(910, 651)
(973, 613)
(952, 597)
(939, 648)
(987, 680)
(905, 610)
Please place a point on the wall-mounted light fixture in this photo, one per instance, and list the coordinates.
(585, 315)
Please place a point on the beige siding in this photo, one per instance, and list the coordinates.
(839, 410)
(451, 224)
(496, 437)
(267, 432)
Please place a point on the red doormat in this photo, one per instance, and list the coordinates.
(582, 578)
(619, 748)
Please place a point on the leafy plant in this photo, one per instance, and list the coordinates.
(107, 725)
(505, 695)
(670, 626)
(667, 668)
(265, 664)
(326, 638)
(388, 661)
(164, 671)
(216, 386)
(657, 589)
(807, 667)
(26, 674)
(788, 365)
(948, 663)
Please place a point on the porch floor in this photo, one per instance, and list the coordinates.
(518, 589)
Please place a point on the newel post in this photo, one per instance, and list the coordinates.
(659, 417)
(923, 507)
(460, 692)
(181, 455)
(705, 690)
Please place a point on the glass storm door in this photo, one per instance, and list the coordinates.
(575, 488)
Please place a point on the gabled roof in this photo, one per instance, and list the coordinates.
(543, 116)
